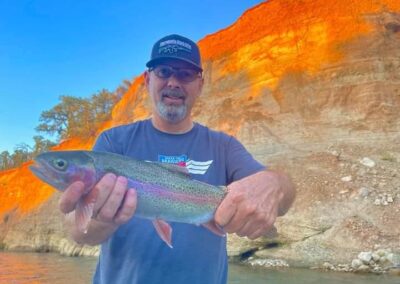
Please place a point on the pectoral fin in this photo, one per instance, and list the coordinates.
(83, 215)
(164, 230)
(84, 211)
(213, 227)
(174, 168)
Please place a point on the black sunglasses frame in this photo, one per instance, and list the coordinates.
(199, 74)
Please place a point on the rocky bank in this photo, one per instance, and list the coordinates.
(309, 89)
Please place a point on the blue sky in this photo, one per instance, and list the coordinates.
(50, 48)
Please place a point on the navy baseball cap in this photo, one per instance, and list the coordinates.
(176, 47)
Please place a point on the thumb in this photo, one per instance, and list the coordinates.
(227, 209)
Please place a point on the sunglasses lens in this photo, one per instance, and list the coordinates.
(183, 75)
(186, 75)
(163, 72)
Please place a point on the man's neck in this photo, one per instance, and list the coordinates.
(173, 128)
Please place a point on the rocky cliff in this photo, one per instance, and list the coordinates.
(310, 88)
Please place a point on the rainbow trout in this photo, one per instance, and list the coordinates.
(165, 192)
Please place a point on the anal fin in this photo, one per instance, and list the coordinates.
(164, 230)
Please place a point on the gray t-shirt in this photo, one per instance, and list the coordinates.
(135, 253)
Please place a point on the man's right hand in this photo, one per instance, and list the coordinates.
(114, 204)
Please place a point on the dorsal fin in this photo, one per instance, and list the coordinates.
(173, 168)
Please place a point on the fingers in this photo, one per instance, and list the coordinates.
(103, 190)
(228, 207)
(270, 232)
(251, 206)
(128, 207)
(115, 202)
(71, 196)
(245, 216)
(240, 213)
(256, 228)
(114, 199)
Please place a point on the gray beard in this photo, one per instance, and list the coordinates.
(172, 113)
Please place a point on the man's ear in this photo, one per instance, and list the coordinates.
(201, 84)
(146, 75)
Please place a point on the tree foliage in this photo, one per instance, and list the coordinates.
(71, 117)
(77, 117)
(23, 153)
(5, 160)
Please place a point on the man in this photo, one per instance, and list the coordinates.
(131, 251)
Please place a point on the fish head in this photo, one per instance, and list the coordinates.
(61, 168)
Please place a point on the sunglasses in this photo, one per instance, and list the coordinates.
(184, 75)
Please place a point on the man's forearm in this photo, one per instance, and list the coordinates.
(97, 231)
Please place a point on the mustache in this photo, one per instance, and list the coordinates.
(173, 93)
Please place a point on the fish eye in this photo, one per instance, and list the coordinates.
(60, 164)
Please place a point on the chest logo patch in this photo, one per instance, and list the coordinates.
(194, 167)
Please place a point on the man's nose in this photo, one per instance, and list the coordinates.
(173, 82)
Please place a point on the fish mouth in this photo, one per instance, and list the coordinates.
(39, 170)
(44, 173)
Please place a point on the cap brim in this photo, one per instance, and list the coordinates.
(157, 60)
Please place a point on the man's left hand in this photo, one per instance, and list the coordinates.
(253, 203)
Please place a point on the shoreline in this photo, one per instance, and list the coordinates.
(251, 262)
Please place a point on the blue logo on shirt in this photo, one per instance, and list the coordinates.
(194, 167)
(177, 160)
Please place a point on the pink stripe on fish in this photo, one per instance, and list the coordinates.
(165, 193)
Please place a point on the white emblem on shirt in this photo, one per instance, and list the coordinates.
(198, 168)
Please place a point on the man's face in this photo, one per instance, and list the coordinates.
(173, 86)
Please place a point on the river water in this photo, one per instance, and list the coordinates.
(32, 268)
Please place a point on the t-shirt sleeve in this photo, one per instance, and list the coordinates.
(240, 163)
(103, 143)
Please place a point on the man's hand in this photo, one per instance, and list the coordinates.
(114, 204)
(253, 204)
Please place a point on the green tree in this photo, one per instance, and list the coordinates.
(5, 160)
(22, 153)
(71, 117)
(77, 117)
(101, 106)
(63, 119)
(41, 145)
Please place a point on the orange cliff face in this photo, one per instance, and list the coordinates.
(278, 37)
(22, 192)
(274, 40)
(244, 62)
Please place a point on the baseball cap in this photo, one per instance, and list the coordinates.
(176, 47)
